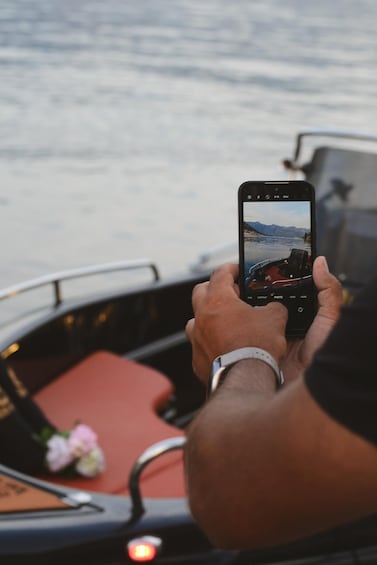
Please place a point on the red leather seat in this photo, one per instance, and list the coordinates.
(118, 398)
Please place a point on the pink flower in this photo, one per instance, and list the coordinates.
(76, 450)
(82, 440)
(58, 454)
(91, 464)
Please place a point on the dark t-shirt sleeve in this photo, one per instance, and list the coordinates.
(343, 375)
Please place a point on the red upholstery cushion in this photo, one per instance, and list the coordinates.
(118, 398)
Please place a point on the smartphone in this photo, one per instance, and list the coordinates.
(277, 248)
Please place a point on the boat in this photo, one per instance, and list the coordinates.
(119, 360)
(289, 272)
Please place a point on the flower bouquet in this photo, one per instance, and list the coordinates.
(73, 452)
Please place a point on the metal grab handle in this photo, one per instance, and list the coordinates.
(149, 455)
(356, 135)
(56, 278)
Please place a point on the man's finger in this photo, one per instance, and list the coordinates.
(198, 294)
(223, 279)
(220, 284)
(190, 329)
(278, 308)
(330, 296)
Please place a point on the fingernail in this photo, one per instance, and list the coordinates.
(325, 264)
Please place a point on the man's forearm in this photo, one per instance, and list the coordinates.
(265, 467)
(213, 445)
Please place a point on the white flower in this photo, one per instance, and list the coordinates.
(91, 464)
(58, 453)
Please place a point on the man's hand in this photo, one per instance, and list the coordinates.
(223, 322)
(300, 351)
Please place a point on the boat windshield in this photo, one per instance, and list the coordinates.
(346, 205)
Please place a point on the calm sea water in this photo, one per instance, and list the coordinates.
(126, 126)
(260, 248)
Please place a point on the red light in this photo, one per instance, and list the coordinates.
(142, 550)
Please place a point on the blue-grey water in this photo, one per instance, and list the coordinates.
(260, 248)
(126, 126)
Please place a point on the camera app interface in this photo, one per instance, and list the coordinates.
(278, 255)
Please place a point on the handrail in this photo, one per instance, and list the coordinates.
(57, 278)
(149, 455)
(359, 136)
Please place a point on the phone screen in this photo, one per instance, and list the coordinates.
(277, 248)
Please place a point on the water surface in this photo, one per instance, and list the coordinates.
(126, 126)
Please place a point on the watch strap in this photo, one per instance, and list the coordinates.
(228, 359)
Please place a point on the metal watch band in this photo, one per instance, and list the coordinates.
(225, 361)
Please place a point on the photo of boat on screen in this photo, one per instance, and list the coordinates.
(277, 248)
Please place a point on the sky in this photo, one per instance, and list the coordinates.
(281, 213)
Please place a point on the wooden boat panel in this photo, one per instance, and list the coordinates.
(18, 496)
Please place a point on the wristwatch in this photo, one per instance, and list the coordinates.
(224, 362)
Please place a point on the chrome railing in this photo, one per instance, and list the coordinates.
(340, 134)
(149, 455)
(56, 279)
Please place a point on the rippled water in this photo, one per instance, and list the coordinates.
(261, 248)
(127, 126)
